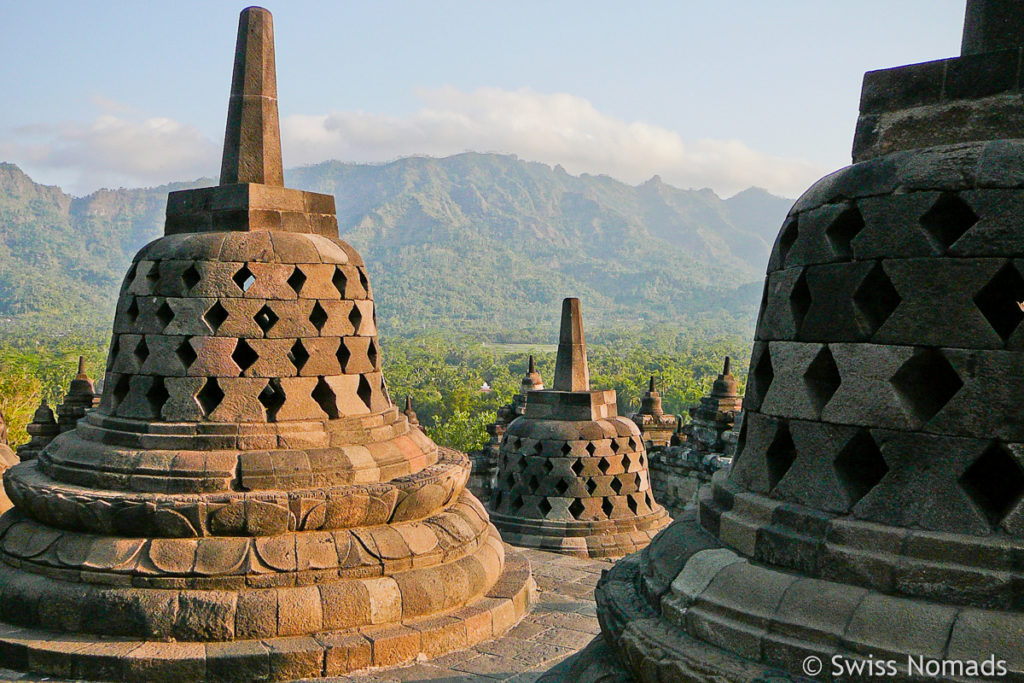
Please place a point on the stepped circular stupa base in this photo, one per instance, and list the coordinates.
(604, 539)
(690, 608)
(321, 653)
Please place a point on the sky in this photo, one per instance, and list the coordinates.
(726, 94)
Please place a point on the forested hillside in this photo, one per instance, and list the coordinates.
(479, 243)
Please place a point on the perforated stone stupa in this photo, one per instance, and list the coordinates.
(572, 474)
(246, 503)
(874, 510)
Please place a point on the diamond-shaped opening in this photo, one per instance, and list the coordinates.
(648, 500)
(780, 455)
(244, 278)
(634, 507)
(616, 485)
(157, 396)
(318, 316)
(130, 277)
(296, 280)
(591, 448)
(521, 464)
(607, 507)
(115, 348)
(615, 446)
(632, 444)
(562, 486)
(948, 219)
(339, 281)
(154, 273)
(544, 506)
(603, 465)
(994, 482)
(272, 397)
(517, 444)
(637, 480)
(860, 465)
(344, 354)
(538, 448)
(566, 448)
(800, 300)
(186, 354)
(741, 440)
(325, 398)
(121, 389)
(244, 355)
(548, 465)
(215, 316)
(141, 351)
(1000, 301)
(591, 486)
(627, 462)
(510, 480)
(210, 396)
(576, 508)
(787, 236)
(875, 299)
(298, 355)
(762, 376)
(926, 383)
(265, 318)
(165, 315)
(356, 318)
(364, 392)
(577, 467)
(364, 282)
(517, 503)
(190, 277)
(533, 483)
(133, 310)
(842, 230)
(822, 378)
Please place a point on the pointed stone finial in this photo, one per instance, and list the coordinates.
(532, 369)
(571, 371)
(252, 141)
(81, 368)
(408, 403)
(991, 25)
(650, 386)
(726, 366)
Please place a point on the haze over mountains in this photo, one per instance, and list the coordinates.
(481, 243)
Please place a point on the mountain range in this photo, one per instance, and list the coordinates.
(480, 243)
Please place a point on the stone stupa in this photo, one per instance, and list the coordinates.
(246, 503)
(7, 459)
(873, 519)
(572, 474)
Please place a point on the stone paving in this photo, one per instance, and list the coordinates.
(562, 623)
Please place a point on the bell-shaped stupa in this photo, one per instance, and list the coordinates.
(572, 474)
(873, 520)
(246, 503)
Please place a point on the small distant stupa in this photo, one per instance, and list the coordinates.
(572, 474)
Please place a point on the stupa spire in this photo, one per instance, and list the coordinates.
(991, 25)
(252, 141)
(571, 371)
(532, 367)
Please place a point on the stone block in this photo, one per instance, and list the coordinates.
(866, 395)
(299, 611)
(777, 320)
(921, 488)
(934, 291)
(247, 660)
(393, 644)
(896, 627)
(892, 226)
(345, 652)
(256, 614)
(205, 615)
(169, 662)
(295, 657)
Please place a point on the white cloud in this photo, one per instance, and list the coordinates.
(113, 150)
(553, 128)
(121, 147)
